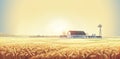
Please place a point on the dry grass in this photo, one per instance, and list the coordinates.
(59, 48)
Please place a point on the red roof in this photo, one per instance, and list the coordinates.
(77, 33)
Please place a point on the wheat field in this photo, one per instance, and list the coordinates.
(59, 48)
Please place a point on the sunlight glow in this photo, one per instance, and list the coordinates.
(58, 26)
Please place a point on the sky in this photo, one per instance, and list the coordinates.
(2, 16)
(117, 9)
(53, 17)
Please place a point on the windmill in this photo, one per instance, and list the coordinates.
(100, 31)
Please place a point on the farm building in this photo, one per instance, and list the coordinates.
(76, 34)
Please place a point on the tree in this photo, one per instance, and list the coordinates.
(100, 31)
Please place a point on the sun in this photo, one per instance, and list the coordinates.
(58, 26)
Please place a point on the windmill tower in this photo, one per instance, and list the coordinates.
(100, 31)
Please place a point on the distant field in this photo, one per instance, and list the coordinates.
(59, 48)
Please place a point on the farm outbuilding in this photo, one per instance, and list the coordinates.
(76, 34)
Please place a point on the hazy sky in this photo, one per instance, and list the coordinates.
(117, 6)
(51, 17)
(2, 16)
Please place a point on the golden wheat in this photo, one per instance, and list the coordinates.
(43, 48)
